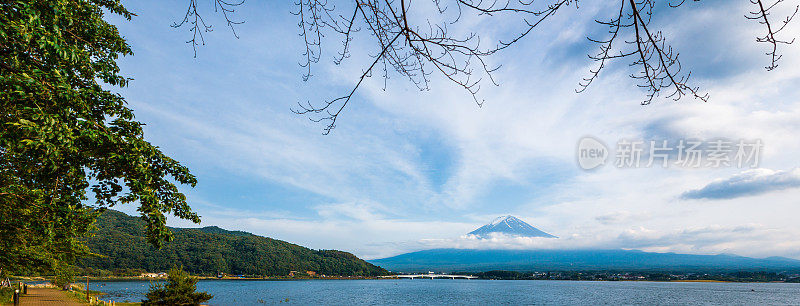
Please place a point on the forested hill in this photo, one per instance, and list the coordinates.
(211, 250)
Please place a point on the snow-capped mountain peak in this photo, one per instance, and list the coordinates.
(501, 219)
(510, 225)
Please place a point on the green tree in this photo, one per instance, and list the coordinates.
(63, 278)
(63, 133)
(179, 290)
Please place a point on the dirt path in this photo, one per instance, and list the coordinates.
(47, 296)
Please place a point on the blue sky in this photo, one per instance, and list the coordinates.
(406, 170)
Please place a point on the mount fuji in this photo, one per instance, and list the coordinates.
(476, 260)
(509, 225)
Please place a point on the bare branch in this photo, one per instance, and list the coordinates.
(659, 66)
(416, 49)
(762, 15)
(341, 101)
(197, 25)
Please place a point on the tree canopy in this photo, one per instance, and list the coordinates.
(63, 132)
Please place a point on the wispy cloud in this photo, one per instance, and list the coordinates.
(748, 183)
(749, 240)
(621, 217)
(406, 170)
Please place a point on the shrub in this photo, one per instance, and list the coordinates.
(179, 290)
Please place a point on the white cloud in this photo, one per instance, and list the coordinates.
(379, 198)
(748, 240)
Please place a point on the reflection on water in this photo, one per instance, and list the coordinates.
(403, 292)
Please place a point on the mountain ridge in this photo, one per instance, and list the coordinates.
(471, 260)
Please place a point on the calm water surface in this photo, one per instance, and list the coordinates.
(472, 292)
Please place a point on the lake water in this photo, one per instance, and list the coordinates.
(472, 292)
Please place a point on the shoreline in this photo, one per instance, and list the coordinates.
(277, 278)
(123, 279)
(82, 279)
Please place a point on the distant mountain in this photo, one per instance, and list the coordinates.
(509, 225)
(577, 260)
(211, 250)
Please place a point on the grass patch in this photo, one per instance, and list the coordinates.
(78, 294)
(6, 296)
